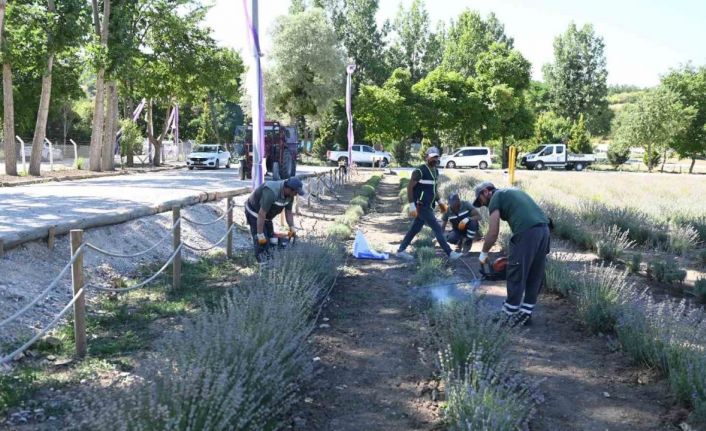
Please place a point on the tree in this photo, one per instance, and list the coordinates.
(8, 108)
(579, 139)
(689, 84)
(617, 155)
(307, 66)
(130, 140)
(468, 38)
(449, 109)
(653, 123)
(64, 29)
(356, 27)
(577, 78)
(411, 39)
(549, 128)
(387, 112)
(100, 47)
(206, 132)
(503, 77)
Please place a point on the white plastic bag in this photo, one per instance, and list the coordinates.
(362, 250)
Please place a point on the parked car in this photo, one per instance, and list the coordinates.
(208, 156)
(556, 156)
(468, 157)
(55, 152)
(362, 154)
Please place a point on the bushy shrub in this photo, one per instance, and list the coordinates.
(612, 244)
(237, 366)
(362, 202)
(425, 253)
(567, 226)
(699, 290)
(702, 257)
(374, 181)
(635, 263)
(599, 294)
(697, 221)
(655, 158)
(681, 238)
(404, 181)
(367, 191)
(428, 271)
(352, 215)
(617, 156)
(640, 227)
(425, 238)
(339, 231)
(666, 271)
(462, 328)
(481, 396)
(558, 277)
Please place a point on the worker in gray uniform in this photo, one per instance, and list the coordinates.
(529, 246)
(464, 218)
(263, 204)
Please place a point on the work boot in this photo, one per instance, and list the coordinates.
(522, 319)
(467, 246)
(404, 255)
(454, 255)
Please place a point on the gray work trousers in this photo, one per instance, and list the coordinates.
(525, 269)
(425, 215)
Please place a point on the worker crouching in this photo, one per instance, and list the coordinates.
(464, 218)
(263, 204)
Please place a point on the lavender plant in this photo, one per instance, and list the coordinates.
(681, 239)
(612, 243)
(600, 292)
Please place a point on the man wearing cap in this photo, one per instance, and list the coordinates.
(423, 197)
(464, 223)
(529, 245)
(268, 200)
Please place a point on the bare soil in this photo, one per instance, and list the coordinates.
(373, 374)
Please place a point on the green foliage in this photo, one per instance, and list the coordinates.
(635, 263)
(362, 202)
(699, 290)
(404, 182)
(401, 153)
(702, 257)
(652, 159)
(426, 144)
(549, 128)
(577, 77)
(617, 155)
(468, 37)
(612, 244)
(424, 253)
(131, 138)
(425, 238)
(307, 64)
(206, 134)
(681, 239)
(666, 271)
(413, 44)
(339, 231)
(351, 216)
(81, 164)
(579, 139)
(655, 121)
(387, 112)
(367, 191)
(689, 85)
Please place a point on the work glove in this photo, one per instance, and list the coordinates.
(483, 258)
(292, 232)
(261, 239)
(442, 207)
(462, 224)
(412, 210)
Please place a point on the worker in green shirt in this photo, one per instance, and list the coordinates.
(263, 204)
(529, 245)
(464, 219)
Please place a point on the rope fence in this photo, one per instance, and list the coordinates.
(315, 182)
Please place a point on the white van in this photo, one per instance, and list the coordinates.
(470, 157)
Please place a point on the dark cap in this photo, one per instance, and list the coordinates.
(454, 198)
(479, 188)
(295, 184)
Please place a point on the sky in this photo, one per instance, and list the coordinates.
(643, 39)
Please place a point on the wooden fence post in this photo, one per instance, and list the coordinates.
(77, 284)
(51, 238)
(229, 224)
(308, 195)
(176, 241)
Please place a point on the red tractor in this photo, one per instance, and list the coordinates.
(280, 150)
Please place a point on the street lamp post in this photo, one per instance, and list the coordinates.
(349, 72)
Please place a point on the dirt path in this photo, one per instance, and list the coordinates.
(371, 373)
(588, 383)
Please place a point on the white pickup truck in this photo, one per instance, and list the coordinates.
(362, 154)
(556, 156)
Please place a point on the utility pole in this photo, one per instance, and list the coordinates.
(258, 105)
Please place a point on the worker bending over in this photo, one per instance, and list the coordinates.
(423, 197)
(464, 219)
(529, 245)
(268, 200)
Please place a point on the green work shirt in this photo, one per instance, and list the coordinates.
(270, 198)
(517, 208)
(465, 210)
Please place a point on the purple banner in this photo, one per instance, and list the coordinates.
(349, 71)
